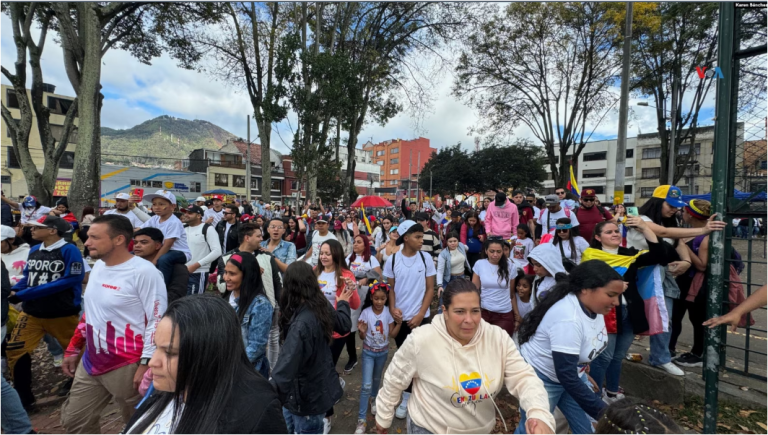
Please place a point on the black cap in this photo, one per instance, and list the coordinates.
(195, 209)
(420, 216)
(501, 199)
(54, 222)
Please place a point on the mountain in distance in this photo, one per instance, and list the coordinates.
(165, 137)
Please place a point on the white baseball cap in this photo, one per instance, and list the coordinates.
(122, 195)
(7, 233)
(161, 194)
(200, 198)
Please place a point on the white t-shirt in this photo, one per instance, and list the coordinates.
(565, 328)
(579, 242)
(216, 215)
(318, 240)
(32, 215)
(327, 282)
(524, 307)
(163, 424)
(359, 267)
(520, 251)
(135, 221)
(377, 335)
(232, 301)
(553, 217)
(410, 275)
(494, 295)
(204, 250)
(171, 228)
(482, 215)
(636, 239)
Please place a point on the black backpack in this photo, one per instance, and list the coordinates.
(214, 263)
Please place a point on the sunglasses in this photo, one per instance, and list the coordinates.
(588, 199)
(563, 231)
(560, 193)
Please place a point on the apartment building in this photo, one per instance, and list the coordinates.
(596, 169)
(367, 175)
(399, 160)
(13, 181)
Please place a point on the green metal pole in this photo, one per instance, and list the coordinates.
(716, 271)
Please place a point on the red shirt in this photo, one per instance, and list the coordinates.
(588, 218)
(525, 215)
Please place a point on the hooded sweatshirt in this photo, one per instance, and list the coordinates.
(548, 255)
(454, 386)
(501, 221)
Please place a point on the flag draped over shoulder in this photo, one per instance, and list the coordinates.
(649, 285)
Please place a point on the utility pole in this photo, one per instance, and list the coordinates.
(248, 164)
(672, 155)
(410, 163)
(621, 150)
(430, 184)
(418, 176)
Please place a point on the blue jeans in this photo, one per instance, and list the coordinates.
(167, 261)
(607, 366)
(13, 417)
(373, 366)
(303, 424)
(53, 346)
(660, 342)
(558, 397)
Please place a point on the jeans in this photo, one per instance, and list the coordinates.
(414, 428)
(660, 342)
(373, 366)
(558, 397)
(166, 262)
(607, 366)
(196, 283)
(53, 346)
(273, 345)
(13, 418)
(303, 424)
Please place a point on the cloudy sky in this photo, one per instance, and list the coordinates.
(135, 92)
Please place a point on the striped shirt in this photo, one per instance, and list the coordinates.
(431, 243)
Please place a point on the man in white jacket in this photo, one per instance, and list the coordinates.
(204, 244)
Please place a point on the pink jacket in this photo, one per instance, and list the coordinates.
(501, 221)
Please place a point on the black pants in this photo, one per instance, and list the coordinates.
(472, 257)
(336, 347)
(350, 341)
(697, 314)
(404, 332)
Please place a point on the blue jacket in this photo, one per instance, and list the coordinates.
(444, 264)
(255, 331)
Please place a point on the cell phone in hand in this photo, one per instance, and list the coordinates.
(139, 192)
(632, 211)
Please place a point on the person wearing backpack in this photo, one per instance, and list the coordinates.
(204, 244)
(548, 218)
(411, 274)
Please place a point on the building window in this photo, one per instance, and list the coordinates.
(598, 189)
(254, 183)
(135, 182)
(651, 153)
(593, 173)
(393, 161)
(275, 185)
(383, 171)
(58, 130)
(394, 171)
(221, 179)
(649, 173)
(146, 183)
(684, 149)
(59, 106)
(380, 153)
(157, 184)
(594, 157)
(629, 171)
(627, 188)
(630, 153)
(295, 185)
(393, 182)
(67, 160)
(12, 162)
(194, 187)
(380, 163)
(238, 181)
(10, 99)
(646, 192)
(394, 150)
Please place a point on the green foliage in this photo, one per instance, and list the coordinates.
(152, 138)
(493, 167)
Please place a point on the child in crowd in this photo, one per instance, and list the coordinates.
(375, 327)
(547, 263)
(522, 303)
(175, 249)
(627, 416)
(522, 246)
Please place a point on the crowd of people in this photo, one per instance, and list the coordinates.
(231, 318)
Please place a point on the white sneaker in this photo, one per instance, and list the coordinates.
(342, 382)
(608, 399)
(58, 360)
(326, 425)
(402, 410)
(671, 369)
(360, 426)
(373, 407)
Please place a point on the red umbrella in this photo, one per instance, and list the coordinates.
(372, 201)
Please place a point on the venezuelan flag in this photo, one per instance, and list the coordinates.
(649, 286)
(572, 185)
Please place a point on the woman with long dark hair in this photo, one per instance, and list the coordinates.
(564, 333)
(305, 377)
(85, 223)
(382, 237)
(630, 317)
(296, 234)
(495, 277)
(242, 276)
(568, 240)
(473, 236)
(202, 379)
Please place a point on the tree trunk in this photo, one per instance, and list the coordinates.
(351, 164)
(266, 163)
(85, 189)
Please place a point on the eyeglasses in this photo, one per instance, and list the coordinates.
(227, 213)
(560, 193)
(273, 227)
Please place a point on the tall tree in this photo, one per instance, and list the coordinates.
(518, 165)
(87, 30)
(548, 66)
(40, 185)
(447, 172)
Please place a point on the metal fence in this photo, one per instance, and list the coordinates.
(739, 163)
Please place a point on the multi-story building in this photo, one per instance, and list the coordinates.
(399, 161)
(596, 169)
(13, 181)
(367, 176)
(116, 179)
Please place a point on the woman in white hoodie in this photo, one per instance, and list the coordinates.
(547, 263)
(458, 365)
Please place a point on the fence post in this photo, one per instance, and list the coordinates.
(716, 270)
